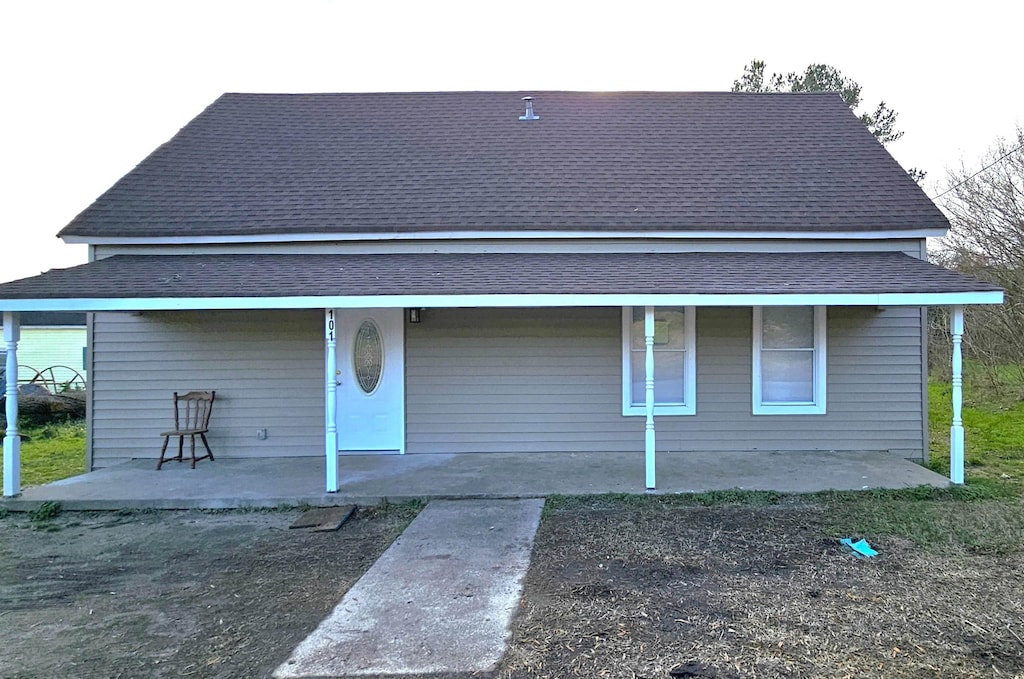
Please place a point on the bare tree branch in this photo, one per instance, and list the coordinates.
(986, 240)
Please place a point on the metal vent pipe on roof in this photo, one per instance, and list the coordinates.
(530, 115)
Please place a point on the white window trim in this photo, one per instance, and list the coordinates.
(689, 407)
(817, 407)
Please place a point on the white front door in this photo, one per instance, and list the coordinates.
(371, 380)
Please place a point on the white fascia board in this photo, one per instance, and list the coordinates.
(507, 235)
(524, 300)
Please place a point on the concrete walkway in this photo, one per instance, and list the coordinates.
(367, 479)
(439, 601)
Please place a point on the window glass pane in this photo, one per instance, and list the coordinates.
(669, 356)
(787, 327)
(637, 329)
(669, 329)
(787, 376)
(368, 356)
(636, 374)
(668, 376)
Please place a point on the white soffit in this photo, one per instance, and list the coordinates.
(500, 301)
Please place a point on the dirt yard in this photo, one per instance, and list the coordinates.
(724, 591)
(757, 592)
(173, 594)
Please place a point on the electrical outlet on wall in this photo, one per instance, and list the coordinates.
(261, 434)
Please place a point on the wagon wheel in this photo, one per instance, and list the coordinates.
(22, 370)
(58, 378)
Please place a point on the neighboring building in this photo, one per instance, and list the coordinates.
(465, 272)
(50, 339)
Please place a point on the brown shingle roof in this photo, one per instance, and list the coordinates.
(324, 275)
(257, 164)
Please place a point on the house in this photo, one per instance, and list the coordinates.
(453, 272)
(51, 350)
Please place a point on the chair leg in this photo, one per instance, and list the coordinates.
(163, 449)
(209, 453)
(181, 446)
(192, 449)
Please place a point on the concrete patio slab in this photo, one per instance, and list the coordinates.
(369, 479)
(440, 600)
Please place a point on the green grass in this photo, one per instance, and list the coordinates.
(993, 417)
(51, 452)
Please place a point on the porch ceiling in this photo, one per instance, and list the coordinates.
(248, 281)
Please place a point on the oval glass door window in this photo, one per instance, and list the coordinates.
(368, 356)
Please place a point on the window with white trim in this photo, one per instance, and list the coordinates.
(675, 361)
(789, 360)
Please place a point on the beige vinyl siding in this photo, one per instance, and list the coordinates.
(532, 380)
(873, 373)
(266, 367)
(513, 380)
(495, 380)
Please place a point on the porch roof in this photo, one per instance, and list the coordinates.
(261, 281)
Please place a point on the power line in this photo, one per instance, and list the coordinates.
(967, 179)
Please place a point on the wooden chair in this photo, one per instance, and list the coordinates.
(191, 418)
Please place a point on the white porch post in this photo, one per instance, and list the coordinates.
(956, 432)
(649, 395)
(12, 441)
(331, 401)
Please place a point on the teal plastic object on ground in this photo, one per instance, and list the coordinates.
(861, 549)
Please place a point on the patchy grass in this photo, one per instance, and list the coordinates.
(979, 517)
(51, 452)
(619, 501)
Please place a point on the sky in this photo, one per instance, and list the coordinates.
(91, 88)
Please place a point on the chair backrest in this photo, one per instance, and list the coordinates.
(192, 410)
